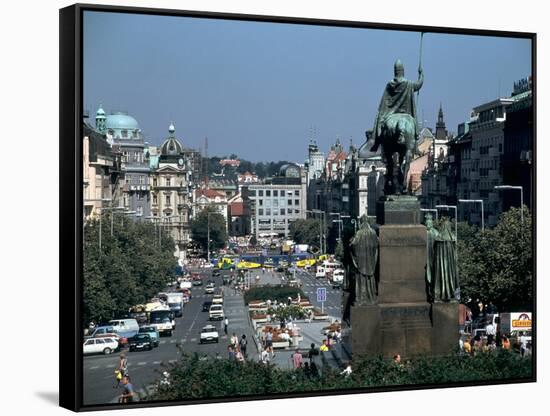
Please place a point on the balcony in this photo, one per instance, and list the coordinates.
(494, 175)
(493, 152)
(474, 176)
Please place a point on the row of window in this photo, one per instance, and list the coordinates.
(275, 192)
(277, 211)
(135, 157)
(276, 203)
(123, 133)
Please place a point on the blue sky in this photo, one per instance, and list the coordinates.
(256, 89)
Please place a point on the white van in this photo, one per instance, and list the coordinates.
(337, 278)
(125, 327)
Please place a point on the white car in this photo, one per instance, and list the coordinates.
(208, 334)
(216, 312)
(209, 289)
(100, 346)
(337, 278)
(217, 299)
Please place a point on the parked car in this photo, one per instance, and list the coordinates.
(108, 332)
(140, 342)
(216, 312)
(206, 305)
(209, 334)
(153, 332)
(99, 346)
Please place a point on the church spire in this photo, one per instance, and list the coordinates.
(440, 128)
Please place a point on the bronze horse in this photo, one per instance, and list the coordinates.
(398, 140)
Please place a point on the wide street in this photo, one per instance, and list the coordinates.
(145, 367)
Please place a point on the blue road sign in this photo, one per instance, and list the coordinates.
(321, 294)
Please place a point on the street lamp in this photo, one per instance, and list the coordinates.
(456, 219)
(430, 210)
(315, 211)
(339, 229)
(324, 223)
(208, 235)
(476, 201)
(500, 187)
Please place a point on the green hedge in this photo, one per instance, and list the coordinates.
(278, 293)
(193, 378)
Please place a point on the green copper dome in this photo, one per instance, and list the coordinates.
(121, 121)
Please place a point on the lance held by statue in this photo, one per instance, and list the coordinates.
(396, 128)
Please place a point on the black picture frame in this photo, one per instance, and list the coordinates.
(71, 193)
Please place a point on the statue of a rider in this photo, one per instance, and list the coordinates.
(398, 98)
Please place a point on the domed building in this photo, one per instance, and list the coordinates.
(124, 135)
(173, 178)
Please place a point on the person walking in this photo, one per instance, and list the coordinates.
(269, 342)
(312, 353)
(243, 345)
(264, 357)
(128, 394)
(234, 340)
(123, 365)
(225, 325)
(347, 371)
(297, 359)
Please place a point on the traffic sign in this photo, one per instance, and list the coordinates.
(321, 294)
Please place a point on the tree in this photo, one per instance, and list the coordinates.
(131, 267)
(209, 219)
(496, 265)
(306, 231)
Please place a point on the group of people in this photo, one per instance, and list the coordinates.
(122, 377)
(236, 350)
(477, 344)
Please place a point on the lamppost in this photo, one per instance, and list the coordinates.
(340, 224)
(208, 235)
(339, 229)
(315, 211)
(430, 210)
(100, 214)
(456, 218)
(324, 224)
(504, 187)
(476, 201)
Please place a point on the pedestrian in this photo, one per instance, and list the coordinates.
(230, 353)
(234, 340)
(264, 357)
(118, 378)
(225, 325)
(239, 355)
(491, 331)
(505, 343)
(243, 344)
(347, 371)
(312, 352)
(128, 394)
(397, 359)
(123, 365)
(297, 359)
(269, 342)
(467, 347)
(307, 370)
(522, 344)
(324, 346)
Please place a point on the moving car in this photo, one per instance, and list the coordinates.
(206, 305)
(140, 342)
(337, 278)
(99, 346)
(320, 272)
(209, 289)
(216, 273)
(217, 299)
(216, 312)
(197, 282)
(153, 332)
(209, 334)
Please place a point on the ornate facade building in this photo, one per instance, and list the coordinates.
(171, 190)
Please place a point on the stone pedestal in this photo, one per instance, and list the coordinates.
(445, 327)
(398, 209)
(402, 322)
